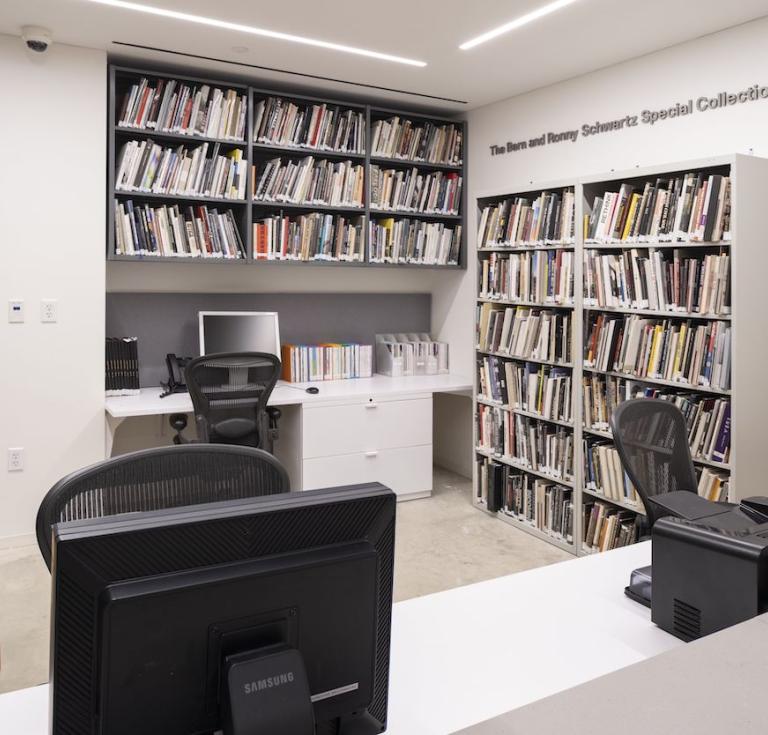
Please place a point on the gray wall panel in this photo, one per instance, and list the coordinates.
(167, 322)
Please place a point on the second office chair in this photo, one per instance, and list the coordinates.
(229, 393)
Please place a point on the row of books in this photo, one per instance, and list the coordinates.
(713, 485)
(400, 138)
(331, 361)
(191, 232)
(411, 190)
(546, 506)
(605, 527)
(312, 236)
(548, 219)
(524, 332)
(410, 353)
(708, 419)
(413, 241)
(692, 206)
(542, 447)
(278, 121)
(309, 181)
(537, 275)
(122, 366)
(172, 106)
(539, 503)
(679, 350)
(603, 473)
(653, 280)
(539, 389)
(145, 166)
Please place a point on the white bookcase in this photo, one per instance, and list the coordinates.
(748, 247)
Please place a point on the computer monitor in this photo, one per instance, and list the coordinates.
(239, 331)
(268, 615)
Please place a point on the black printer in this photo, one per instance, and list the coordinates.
(709, 559)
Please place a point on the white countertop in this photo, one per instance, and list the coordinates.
(468, 654)
(149, 403)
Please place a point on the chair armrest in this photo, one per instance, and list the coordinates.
(687, 505)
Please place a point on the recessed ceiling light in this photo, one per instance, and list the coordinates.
(240, 28)
(516, 23)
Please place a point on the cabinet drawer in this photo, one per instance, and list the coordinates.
(406, 470)
(362, 427)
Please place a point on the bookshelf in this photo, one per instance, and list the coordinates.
(748, 259)
(351, 223)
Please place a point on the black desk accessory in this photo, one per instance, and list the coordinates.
(313, 389)
(176, 380)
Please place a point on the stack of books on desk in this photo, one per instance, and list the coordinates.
(122, 366)
(332, 361)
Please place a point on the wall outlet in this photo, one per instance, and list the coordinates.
(49, 310)
(15, 459)
(16, 311)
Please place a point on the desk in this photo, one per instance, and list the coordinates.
(465, 655)
(352, 431)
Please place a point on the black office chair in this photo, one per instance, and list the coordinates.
(229, 394)
(651, 438)
(154, 479)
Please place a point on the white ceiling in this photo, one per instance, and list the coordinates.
(587, 35)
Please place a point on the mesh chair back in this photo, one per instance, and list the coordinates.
(652, 440)
(154, 479)
(229, 393)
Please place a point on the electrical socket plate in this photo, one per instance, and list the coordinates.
(15, 459)
(48, 310)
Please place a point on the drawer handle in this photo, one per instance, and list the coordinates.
(371, 454)
(371, 405)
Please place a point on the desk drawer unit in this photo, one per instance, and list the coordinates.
(388, 441)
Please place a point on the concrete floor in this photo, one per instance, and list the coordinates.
(442, 542)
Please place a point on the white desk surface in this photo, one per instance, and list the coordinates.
(466, 655)
(149, 403)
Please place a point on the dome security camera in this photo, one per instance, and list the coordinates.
(36, 38)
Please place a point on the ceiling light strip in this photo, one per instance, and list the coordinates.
(253, 30)
(516, 23)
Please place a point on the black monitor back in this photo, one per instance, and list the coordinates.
(148, 606)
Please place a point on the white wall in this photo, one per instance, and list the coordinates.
(52, 223)
(728, 61)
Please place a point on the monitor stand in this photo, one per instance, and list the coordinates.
(267, 693)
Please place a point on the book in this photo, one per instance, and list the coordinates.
(546, 220)
(651, 279)
(603, 473)
(525, 333)
(309, 181)
(680, 351)
(145, 166)
(528, 442)
(396, 137)
(313, 236)
(539, 389)
(687, 207)
(173, 106)
(121, 376)
(606, 527)
(329, 361)
(544, 277)
(280, 121)
(541, 504)
(411, 190)
(173, 231)
(413, 241)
